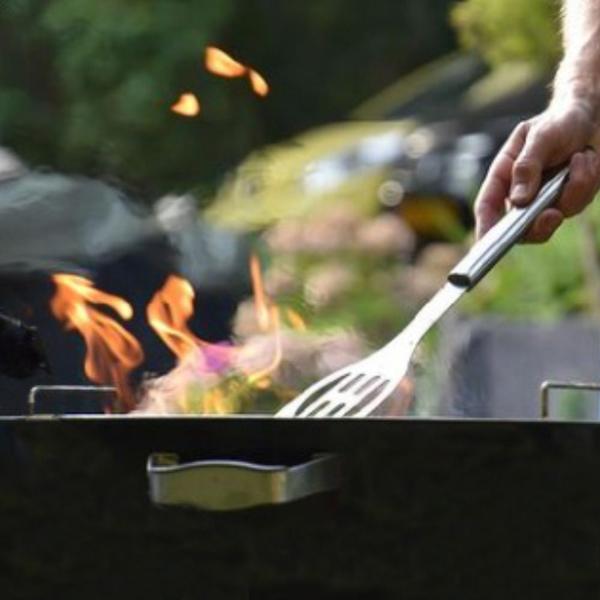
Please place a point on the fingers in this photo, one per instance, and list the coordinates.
(490, 204)
(552, 138)
(528, 167)
(544, 226)
(489, 210)
(581, 187)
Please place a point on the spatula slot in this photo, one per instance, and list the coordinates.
(319, 396)
(367, 384)
(370, 396)
(352, 382)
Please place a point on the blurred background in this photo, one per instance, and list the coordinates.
(341, 143)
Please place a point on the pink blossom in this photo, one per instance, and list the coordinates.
(385, 234)
(327, 283)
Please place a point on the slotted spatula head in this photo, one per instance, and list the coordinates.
(354, 391)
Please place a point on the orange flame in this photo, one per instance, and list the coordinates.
(261, 302)
(187, 105)
(268, 319)
(220, 63)
(111, 352)
(168, 313)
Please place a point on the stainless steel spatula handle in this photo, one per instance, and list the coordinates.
(485, 253)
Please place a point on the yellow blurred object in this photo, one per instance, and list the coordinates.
(431, 217)
(339, 163)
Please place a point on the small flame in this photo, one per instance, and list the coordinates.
(220, 63)
(111, 352)
(261, 302)
(261, 374)
(168, 313)
(258, 83)
(295, 321)
(187, 105)
(268, 319)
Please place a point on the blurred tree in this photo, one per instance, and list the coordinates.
(327, 56)
(113, 71)
(86, 86)
(505, 30)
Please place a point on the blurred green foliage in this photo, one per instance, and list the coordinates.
(508, 30)
(85, 86)
(100, 79)
(544, 281)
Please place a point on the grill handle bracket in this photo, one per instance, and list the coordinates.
(547, 387)
(227, 485)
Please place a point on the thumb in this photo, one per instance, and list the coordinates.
(527, 171)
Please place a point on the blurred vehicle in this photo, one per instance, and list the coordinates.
(420, 147)
(433, 183)
(343, 162)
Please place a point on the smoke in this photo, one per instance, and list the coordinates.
(50, 222)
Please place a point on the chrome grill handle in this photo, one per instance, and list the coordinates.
(226, 485)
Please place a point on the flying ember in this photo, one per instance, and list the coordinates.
(258, 83)
(187, 105)
(220, 63)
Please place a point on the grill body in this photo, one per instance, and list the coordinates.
(425, 509)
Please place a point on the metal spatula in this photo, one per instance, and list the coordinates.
(357, 390)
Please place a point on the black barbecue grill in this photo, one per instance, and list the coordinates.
(257, 507)
(95, 505)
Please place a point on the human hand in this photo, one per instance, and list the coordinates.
(557, 136)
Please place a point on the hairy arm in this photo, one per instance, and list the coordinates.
(578, 76)
(558, 135)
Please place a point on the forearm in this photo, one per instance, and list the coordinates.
(567, 133)
(578, 76)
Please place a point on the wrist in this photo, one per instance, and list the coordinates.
(575, 86)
